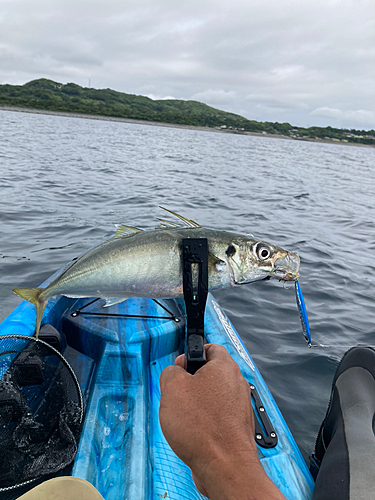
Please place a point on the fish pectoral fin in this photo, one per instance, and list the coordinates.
(114, 300)
(188, 222)
(213, 260)
(123, 231)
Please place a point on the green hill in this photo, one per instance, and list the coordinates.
(48, 95)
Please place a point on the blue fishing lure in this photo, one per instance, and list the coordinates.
(303, 314)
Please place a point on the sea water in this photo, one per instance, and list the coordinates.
(65, 182)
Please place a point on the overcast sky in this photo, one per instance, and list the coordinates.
(308, 62)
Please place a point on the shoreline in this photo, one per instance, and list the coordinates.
(68, 114)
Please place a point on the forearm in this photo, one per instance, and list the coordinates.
(208, 421)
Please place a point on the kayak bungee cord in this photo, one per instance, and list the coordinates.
(299, 298)
(79, 311)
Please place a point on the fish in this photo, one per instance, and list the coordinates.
(303, 313)
(148, 263)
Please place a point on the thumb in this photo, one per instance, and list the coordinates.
(215, 351)
(172, 374)
(212, 351)
(180, 361)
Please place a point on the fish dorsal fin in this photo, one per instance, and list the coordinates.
(122, 230)
(188, 222)
(167, 223)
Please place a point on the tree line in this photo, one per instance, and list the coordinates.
(48, 95)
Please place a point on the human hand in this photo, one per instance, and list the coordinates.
(207, 419)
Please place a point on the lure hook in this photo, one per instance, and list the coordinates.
(286, 287)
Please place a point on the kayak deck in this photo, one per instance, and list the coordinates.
(118, 361)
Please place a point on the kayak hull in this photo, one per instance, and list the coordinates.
(118, 354)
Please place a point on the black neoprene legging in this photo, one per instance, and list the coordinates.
(346, 441)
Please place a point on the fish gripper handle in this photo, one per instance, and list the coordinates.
(195, 287)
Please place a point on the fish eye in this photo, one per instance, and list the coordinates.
(263, 251)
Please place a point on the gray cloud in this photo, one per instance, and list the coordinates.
(359, 116)
(271, 60)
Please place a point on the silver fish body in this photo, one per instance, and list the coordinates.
(149, 264)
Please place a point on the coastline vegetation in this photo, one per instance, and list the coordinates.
(48, 95)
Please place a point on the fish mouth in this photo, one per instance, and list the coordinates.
(287, 268)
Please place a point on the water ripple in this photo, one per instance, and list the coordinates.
(65, 182)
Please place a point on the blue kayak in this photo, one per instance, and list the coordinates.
(118, 354)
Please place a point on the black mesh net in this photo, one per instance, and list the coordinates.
(41, 411)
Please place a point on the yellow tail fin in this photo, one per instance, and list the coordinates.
(33, 295)
(30, 294)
